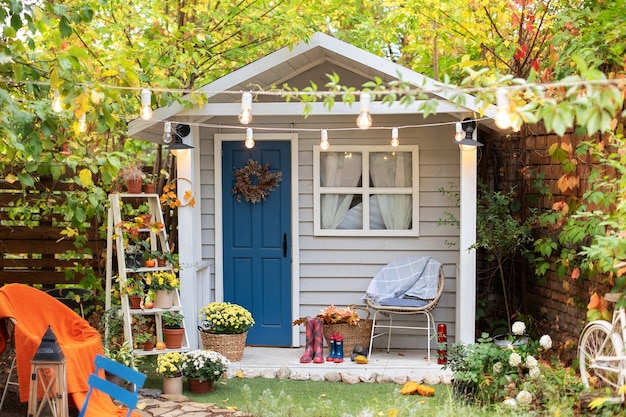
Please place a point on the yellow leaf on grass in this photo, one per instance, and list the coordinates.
(597, 403)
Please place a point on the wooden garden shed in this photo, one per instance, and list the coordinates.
(323, 232)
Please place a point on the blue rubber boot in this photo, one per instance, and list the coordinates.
(333, 349)
(338, 349)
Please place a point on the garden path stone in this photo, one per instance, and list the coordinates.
(332, 377)
(283, 373)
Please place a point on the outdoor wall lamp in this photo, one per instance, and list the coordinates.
(467, 142)
(182, 130)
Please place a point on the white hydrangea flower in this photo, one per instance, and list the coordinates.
(510, 402)
(515, 359)
(524, 397)
(497, 367)
(546, 342)
(518, 328)
(531, 362)
(534, 372)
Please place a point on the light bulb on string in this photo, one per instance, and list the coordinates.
(394, 137)
(146, 105)
(82, 124)
(245, 117)
(324, 144)
(249, 143)
(503, 119)
(364, 120)
(57, 104)
(167, 132)
(460, 134)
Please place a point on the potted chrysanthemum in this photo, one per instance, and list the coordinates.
(163, 283)
(225, 328)
(202, 368)
(170, 367)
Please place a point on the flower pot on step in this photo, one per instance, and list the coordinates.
(173, 337)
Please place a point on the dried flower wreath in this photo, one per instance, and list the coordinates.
(255, 181)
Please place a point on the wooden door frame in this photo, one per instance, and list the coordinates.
(218, 138)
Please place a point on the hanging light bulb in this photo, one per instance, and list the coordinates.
(167, 132)
(394, 137)
(324, 145)
(245, 116)
(249, 143)
(146, 106)
(82, 124)
(57, 104)
(364, 121)
(503, 120)
(460, 134)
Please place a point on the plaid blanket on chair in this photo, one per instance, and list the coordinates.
(408, 277)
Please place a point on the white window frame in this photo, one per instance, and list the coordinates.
(365, 190)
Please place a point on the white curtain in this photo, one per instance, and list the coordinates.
(393, 170)
(338, 169)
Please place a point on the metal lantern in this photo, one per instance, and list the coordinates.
(48, 382)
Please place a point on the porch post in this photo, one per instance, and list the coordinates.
(466, 271)
(189, 246)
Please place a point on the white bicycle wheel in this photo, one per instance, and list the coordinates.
(598, 340)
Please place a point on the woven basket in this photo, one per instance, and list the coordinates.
(229, 345)
(353, 334)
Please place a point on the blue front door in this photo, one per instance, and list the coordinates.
(257, 243)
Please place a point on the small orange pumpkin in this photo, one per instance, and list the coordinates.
(150, 263)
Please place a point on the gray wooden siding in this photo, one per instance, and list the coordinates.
(337, 270)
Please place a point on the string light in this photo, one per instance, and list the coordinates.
(57, 104)
(364, 121)
(324, 145)
(146, 105)
(503, 119)
(245, 117)
(82, 124)
(394, 137)
(167, 132)
(249, 143)
(459, 135)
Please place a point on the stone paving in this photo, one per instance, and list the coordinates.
(155, 404)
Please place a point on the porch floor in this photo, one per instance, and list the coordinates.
(398, 363)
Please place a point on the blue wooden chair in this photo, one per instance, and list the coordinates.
(126, 397)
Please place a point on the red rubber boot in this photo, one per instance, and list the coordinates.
(318, 341)
(308, 350)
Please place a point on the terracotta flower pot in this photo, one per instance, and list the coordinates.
(134, 301)
(200, 387)
(173, 337)
(134, 186)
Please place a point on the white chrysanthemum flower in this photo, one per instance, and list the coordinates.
(497, 367)
(524, 397)
(515, 359)
(518, 328)
(531, 362)
(510, 402)
(546, 342)
(534, 372)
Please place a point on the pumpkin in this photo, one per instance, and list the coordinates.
(413, 387)
(360, 359)
(150, 263)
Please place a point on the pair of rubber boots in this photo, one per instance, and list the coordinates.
(336, 348)
(314, 350)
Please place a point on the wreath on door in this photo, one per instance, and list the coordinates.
(254, 181)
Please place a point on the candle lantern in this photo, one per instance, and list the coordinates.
(48, 386)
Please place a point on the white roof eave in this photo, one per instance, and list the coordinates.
(348, 53)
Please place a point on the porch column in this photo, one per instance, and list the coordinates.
(466, 272)
(189, 228)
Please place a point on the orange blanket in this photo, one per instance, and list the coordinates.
(33, 311)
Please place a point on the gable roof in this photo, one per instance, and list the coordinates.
(297, 67)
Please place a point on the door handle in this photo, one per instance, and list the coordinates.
(284, 245)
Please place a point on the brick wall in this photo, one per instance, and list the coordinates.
(558, 304)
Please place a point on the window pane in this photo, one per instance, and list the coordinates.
(391, 211)
(391, 169)
(341, 211)
(340, 169)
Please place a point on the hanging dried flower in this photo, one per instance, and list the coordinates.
(254, 181)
